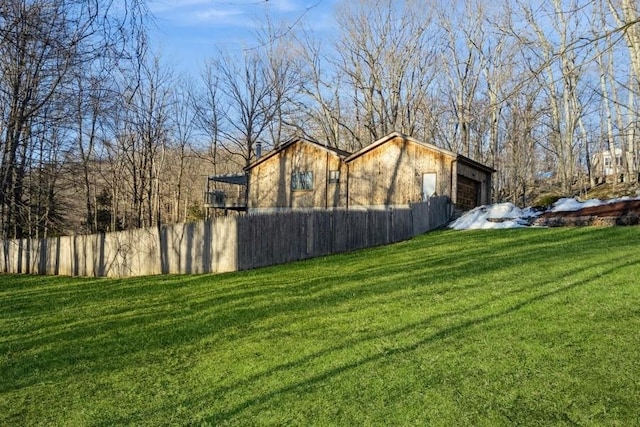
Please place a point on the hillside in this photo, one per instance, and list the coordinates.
(545, 194)
(506, 327)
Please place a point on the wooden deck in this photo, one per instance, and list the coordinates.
(220, 200)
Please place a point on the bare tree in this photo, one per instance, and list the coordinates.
(386, 53)
(321, 93)
(179, 163)
(209, 111)
(626, 15)
(283, 66)
(247, 89)
(463, 63)
(94, 101)
(547, 35)
(41, 44)
(142, 139)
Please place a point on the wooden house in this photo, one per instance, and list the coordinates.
(393, 171)
(299, 174)
(398, 170)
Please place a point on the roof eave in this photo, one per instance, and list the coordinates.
(396, 134)
(475, 164)
(339, 153)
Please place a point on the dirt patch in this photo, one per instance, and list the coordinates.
(625, 212)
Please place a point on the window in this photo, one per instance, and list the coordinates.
(302, 180)
(429, 181)
(334, 176)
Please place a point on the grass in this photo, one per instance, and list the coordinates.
(478, 328)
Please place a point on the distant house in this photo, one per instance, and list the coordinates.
(608, 166)
(395, 170)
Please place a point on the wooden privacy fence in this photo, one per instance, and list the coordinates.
(222, 244)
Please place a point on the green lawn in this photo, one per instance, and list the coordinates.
(479, 328)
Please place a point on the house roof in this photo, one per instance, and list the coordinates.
(475, 164)
(348, 157)
(393, 135)
(237, 178)
(292, 141)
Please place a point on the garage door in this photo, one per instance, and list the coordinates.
(468, 196)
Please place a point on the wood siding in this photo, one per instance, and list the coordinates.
(270, 181)
(391, 174)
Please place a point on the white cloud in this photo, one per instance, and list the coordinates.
(229, 12)
(168, 6)
(215, 15)
(284, 6)
(188, 31)
(189, 12)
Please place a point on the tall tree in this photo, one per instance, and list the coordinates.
(178, 166)
(41, 43)
(322, 93)
(386, 53)
(626, 15)
(143, 133)
(248, 90)
(209, 111)
(463, 62)
(547, 34)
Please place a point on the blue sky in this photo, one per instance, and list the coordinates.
(187, 32)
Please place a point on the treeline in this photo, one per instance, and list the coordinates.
(98, 134)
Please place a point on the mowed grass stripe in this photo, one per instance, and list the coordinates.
(532, 327)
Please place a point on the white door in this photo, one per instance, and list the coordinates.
(428, 185)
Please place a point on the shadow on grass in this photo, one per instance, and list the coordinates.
(446, 332)
(106, 325)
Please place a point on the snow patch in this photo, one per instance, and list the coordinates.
(507, 215)
(501, 215)
(569, 205)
